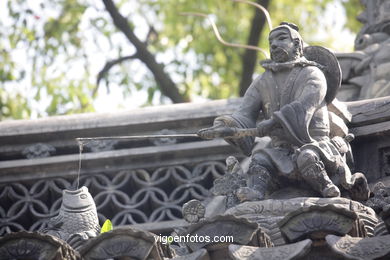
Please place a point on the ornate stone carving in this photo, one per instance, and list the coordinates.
(193, 211)
(231, 182)
(165, 141)
(241, 230)
(385, 161)
(77, 220)
(126, 197)
(386, 216)
(360, 248)
(38, 150)
(200, 254)
(380, 202)
(123, 242)
(380, 229)
(381, 197)
(286, 252)
(101, 145)
(308, 147)
(268, 213)
(316, 221)
(35, 246)
(366, 71)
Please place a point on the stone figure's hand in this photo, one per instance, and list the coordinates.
(248, 194)
(265, 127)
(216, 132)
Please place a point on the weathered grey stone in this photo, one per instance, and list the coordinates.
(35, 246)
(268, 213)
(308, 147)
(240, 230)
(100, 145)
(77, 220)
(380, 197)
(316, 222)
(366, 71)
(38, 150)
(286, 252)
(122, 242)
(200, 254)
(360, 248)
(193, 211)
(386, 216)
(229, 183)
(165, 141)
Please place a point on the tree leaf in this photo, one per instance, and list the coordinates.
(107, 226)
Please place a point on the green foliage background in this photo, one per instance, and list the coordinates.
(54, 39)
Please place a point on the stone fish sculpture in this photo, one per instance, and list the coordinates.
(77, 220)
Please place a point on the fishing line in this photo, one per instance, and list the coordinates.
(81, 145)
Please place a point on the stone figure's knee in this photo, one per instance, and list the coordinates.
(307, 157)
(257, 169)
(258, 177)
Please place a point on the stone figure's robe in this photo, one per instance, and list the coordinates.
(299, 108)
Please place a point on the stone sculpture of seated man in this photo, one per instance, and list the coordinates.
(293, 96)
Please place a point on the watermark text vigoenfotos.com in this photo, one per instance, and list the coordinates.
(194, 239)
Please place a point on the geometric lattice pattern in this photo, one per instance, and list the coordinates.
(126, 197)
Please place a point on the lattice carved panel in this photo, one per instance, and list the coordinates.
(125, 197)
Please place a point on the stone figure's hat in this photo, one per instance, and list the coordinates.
(293, 29)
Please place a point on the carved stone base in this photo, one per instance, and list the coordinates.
(360, 248)
(123, 242)
(268, 213)
(35, 246)
(238, 230)
(200, 254)
(286, 252)
(315, 222)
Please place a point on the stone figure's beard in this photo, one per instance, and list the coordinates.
(279, 55)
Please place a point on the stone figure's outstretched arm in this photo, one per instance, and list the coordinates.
(244, 117)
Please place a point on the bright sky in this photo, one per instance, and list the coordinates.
(114, 99)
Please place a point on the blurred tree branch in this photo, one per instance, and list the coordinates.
(249, 57)
(166, 84)
(109, 64)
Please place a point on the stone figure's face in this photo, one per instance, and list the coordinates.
(282, 46)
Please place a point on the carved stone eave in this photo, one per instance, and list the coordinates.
(268, 213)
(285, 252)
(316, 221)
(124, 159)
(369, 111)
(123, 242)
(360, 248)
(386, 217)
(243, 231)
(200, 254)
(60, 131)
(35, 246)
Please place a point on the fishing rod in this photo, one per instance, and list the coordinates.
(209, 133)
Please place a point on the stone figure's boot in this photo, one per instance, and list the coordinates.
(313, 172)
(257, 184)
(319, 180)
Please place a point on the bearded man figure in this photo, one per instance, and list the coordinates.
(293, 96)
